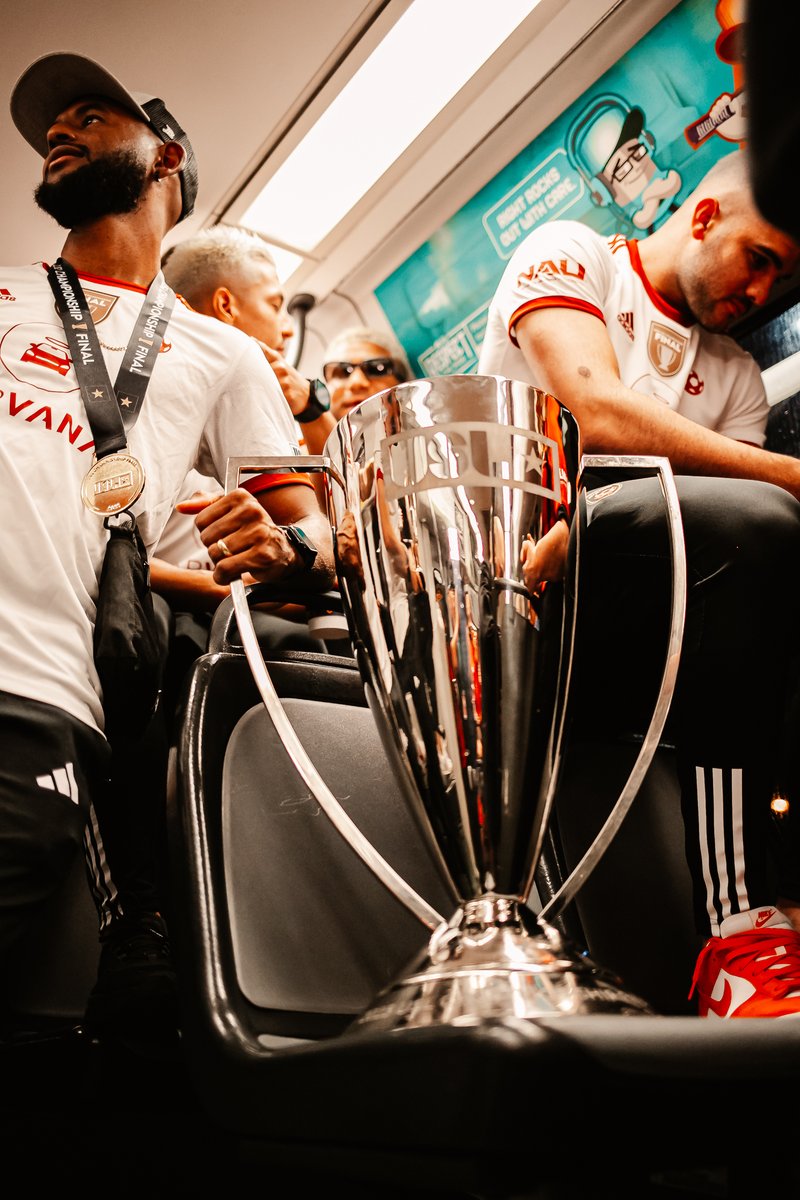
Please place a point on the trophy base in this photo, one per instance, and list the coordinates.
(493, 960)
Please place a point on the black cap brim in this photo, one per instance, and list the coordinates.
(54, 81)
(632, 126)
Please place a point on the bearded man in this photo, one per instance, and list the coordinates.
(118, 174)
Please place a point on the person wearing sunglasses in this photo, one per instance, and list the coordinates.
(357, 364)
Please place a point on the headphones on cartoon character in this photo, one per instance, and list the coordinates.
(631, 125)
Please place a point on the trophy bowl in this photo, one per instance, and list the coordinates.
(442, 483)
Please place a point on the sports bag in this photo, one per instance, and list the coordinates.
(128, 649)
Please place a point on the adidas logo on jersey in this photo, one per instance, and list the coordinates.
(5, 294)
(626, 321)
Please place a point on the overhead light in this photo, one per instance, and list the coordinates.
(424, 60)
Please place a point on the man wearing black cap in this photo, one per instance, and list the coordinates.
(118, 173)
(53, 83)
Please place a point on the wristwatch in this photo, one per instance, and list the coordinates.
(301, 542)
(319, 402)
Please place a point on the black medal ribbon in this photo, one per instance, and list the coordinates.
(112, 410)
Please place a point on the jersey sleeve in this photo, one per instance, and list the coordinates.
(563, 265)
(251, 418)
(267, 482)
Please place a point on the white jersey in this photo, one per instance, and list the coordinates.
(704, 376)
(212, 396)
(180, 543)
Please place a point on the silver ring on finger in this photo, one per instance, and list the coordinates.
(224, 549)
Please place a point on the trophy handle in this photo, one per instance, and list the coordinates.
(626, 466)
(305, 768)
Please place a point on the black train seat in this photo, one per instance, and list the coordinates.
(284, 935)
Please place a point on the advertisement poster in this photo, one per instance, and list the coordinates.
(620, 159)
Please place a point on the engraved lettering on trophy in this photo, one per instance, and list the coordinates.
(468, 454)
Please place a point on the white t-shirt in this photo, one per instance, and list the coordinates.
(704, 376)
(180, 543)
(212, 396)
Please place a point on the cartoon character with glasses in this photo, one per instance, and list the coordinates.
(612, 151)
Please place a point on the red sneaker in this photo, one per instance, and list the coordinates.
(755, 973)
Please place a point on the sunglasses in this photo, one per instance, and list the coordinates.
(373, 368)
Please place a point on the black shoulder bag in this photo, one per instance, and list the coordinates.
(128, 646)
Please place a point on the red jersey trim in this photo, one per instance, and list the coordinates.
(131, 287)
(551, 302)
(269, 480)
(661, 304)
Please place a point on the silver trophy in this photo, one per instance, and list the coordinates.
(435, 486)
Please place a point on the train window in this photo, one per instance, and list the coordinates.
(773, 338)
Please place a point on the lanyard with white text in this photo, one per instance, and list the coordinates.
(116, 479)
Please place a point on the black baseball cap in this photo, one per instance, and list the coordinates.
(632, 126)
(55, 81)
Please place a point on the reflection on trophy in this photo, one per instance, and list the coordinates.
(467, 674)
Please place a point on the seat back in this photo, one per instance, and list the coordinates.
(294, 934)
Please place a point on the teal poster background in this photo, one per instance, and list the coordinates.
(672, 105)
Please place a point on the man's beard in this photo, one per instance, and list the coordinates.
(111, 184)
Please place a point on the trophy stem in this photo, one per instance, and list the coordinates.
(493, 959)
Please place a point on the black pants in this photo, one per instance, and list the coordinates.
(733, 712)
(62, 788)
(52, 769)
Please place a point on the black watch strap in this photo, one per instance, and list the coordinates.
(319, 402)
(299, 540)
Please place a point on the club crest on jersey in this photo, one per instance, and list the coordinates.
(100, 304)
(666, 348)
